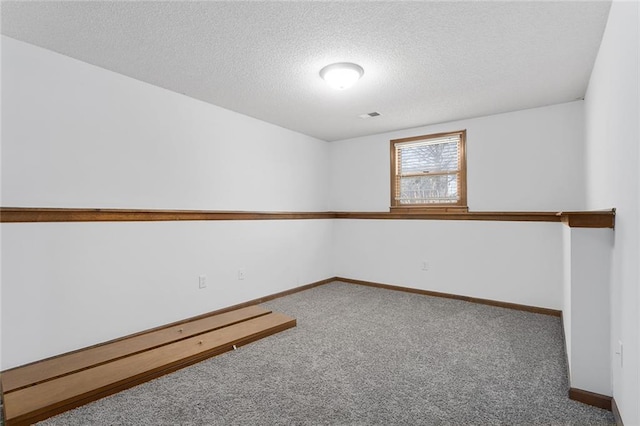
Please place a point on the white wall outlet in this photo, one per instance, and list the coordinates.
(425, 265)
(241, 274)
(202, 281)
(619, 351)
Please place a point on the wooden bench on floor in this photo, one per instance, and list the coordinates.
(42, 389)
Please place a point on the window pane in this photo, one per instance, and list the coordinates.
(429, 189)
(429, 158)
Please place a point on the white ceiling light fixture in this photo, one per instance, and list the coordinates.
(341, 75)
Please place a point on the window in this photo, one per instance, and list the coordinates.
(429, 172)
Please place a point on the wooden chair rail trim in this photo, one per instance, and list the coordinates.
(593, 219)
(487, 216)
(580, 219)
(28, 214)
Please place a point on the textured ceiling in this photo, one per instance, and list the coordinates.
(424, 62)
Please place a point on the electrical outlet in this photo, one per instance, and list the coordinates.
(202, 281)
(241, 274)
(619, 351)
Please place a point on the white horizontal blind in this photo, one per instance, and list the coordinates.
(428, 171)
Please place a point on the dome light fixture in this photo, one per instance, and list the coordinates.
(341, 75)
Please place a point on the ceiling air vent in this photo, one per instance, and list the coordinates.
(370, 115)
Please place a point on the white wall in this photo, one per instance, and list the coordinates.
(70, 285)
(612, 162)
(531, 160)
(516, 262)
(528, 160)
(586, 312)
(75, 135)
(566, 294)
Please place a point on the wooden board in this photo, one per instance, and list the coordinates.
(48, 398)
(64, 364)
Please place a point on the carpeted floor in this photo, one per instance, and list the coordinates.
(368, 356)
